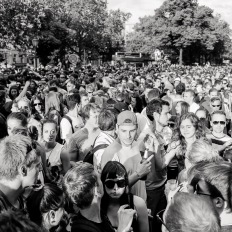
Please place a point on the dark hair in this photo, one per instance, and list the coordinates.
(154, 106)
(184, 107)
(13, 87)
(72, 100)
(79, 183)
(12, 221)
(180, 88)
(107, 120)
(112, 170)
(18, 116)
(50, 197)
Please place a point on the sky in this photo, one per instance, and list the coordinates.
(140, 8)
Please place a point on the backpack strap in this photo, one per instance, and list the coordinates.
(70, 121)
(99, 147)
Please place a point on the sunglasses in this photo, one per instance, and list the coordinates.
(216, 105)
(111, 183)
(37, 104)
(212, 191)
(217, 122)
(159, 216)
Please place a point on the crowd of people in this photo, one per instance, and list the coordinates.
(115, 148)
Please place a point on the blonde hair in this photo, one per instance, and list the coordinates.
(202, 150)
(52, 101)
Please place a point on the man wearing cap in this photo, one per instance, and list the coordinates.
(126, 151)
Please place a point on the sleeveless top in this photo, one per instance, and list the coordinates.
(53, 156)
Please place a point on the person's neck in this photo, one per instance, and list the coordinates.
(12, 190)
(111, 133)
(219, 135)
(93, 213)
(50, 145)
(90, 128)
(191, 140)
(159, 127)
(72, 113)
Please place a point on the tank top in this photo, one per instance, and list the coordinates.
(53, 156)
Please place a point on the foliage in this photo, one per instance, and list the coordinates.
(182, 25)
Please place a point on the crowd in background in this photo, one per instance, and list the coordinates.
(116, 148)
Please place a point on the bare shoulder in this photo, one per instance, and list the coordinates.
(139, 203)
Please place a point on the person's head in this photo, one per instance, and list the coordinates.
(218, 121)
(180, 88)
(153, 94)
(19, 160)
(11, 221)
(52, 101)
(37, 104)
(16, 120)
(73, 102)
(83, 185)
(182, 107)
(201, 150)
(84, 99)
(107, 120)
(213, 93)
(49, 130)
(89, 90)
(13, 92)
(189, 96)
(90, 114)
(114, 178)
(71, 85)
(189, 126)
(176, 81)
(158, 110)
(192, 213)
(24, 105)
(224, 83)
(202, 113)
(213, 179)
(126, 127)
(215, 103)
(218, 85)
(45, 206)
(157, 83)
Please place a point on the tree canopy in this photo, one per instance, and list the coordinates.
(62, 26)
(182, 26)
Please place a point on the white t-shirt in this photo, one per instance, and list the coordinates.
(66, 129)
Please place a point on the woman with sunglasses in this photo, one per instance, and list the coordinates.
(116, 193)
(220, 140)
(37, 108)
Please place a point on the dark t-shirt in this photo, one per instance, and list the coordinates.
(6, 205)
(82, 224)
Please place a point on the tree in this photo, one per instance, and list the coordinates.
(183, 25)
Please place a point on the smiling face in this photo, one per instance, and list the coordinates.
(218, 123)
(49, 132)
(187, 129)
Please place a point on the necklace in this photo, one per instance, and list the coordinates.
(218, 137)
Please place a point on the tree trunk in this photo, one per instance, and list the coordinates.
(181, 56)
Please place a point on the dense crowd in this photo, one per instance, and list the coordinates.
(116, 148)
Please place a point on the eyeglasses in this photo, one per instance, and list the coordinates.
(216, 105)
(209, 190)
(111, 183)
(159, 216)
(217, 122)
(37, 104)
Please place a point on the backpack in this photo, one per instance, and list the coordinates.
(89, 157)
(70, 121)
